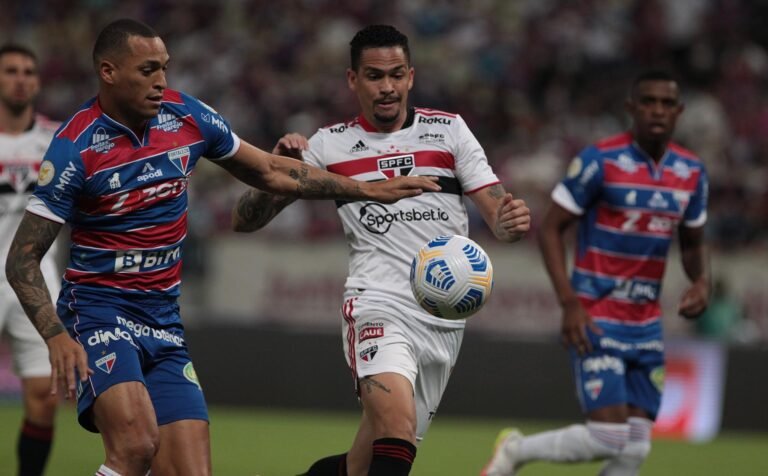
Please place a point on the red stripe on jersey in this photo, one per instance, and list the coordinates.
(614, 175)
(619, 140)
(170, 95)
(165, 234)
(187, 135)
(80, 121)
(653, 223)
(596, 261)
(425, 111)
(132, 200)
(422, 158)
(158, 280)
(622, 310)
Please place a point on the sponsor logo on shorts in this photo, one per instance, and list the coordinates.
(657, 377)
(368, 354)
(107, 363)
(370, 333)
(593, 387)
(105, 337)
(191, 375)
(602, 364)
(142, 330)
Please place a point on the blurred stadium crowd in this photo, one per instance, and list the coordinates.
(536, 81)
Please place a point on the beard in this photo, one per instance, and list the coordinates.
(16, 108)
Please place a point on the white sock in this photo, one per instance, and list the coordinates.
(105, 471)
(628, 462)
(574, 443)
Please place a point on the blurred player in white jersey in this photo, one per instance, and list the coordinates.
(24, 138)
(400, 355)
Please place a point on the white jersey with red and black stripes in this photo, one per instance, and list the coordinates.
(20, 158)
(383, 239)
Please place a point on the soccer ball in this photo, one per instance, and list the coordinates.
(451, 277)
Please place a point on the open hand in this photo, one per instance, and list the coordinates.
(392, 190)
(291, 145)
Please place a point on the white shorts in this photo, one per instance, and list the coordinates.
(30, 353)
(382, 335)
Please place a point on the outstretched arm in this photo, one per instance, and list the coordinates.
(696, 266)
(508, 217)
(34, 237)
(285, 176)
(255, 208)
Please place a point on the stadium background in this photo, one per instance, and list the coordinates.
(536, 80)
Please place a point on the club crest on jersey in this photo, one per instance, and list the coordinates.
(594, 387)
(100, 141)
(397, 165)
(369, 353)
(107, 363)
(180, 158)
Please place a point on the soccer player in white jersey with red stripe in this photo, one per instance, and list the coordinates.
(24, 138)
(400, 355)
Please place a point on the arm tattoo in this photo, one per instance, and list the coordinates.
(319, 188)
(33, 238)
(371, 383)
(496, 191)
(256, 208)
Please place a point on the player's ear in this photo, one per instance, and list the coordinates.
(411, 72)
(352, 79)
(106, 70)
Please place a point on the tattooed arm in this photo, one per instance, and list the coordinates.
(255, 209)
(507, 217)
(34, 237)
(285, 176)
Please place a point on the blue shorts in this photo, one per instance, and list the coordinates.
(626, 366)
(134, 342)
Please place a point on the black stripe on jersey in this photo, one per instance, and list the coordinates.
(447, 185)
(8, 188)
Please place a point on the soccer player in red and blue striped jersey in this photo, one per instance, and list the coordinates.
(629, 193)
(117, 173)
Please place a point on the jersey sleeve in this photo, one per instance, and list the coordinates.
(472, 168)
(59, 182)
(220, 141)
(696, 212)
(582, 183)
(313, 155)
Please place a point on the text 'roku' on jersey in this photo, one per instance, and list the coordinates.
(630, 208)
(125, 196)
(383, 239)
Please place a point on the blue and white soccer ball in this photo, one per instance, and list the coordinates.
(451, 277)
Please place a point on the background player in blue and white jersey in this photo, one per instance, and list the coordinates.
(117, 172)
(400, 356)
(24, 138)
(629, 193)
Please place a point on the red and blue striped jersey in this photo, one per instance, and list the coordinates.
(630, 207)
(124, 196)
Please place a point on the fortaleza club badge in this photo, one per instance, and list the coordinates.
(594, 387)
(107, 363)
(191, 375)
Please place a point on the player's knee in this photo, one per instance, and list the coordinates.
(608, 440)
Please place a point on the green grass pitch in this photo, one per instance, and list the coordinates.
(251, 442)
